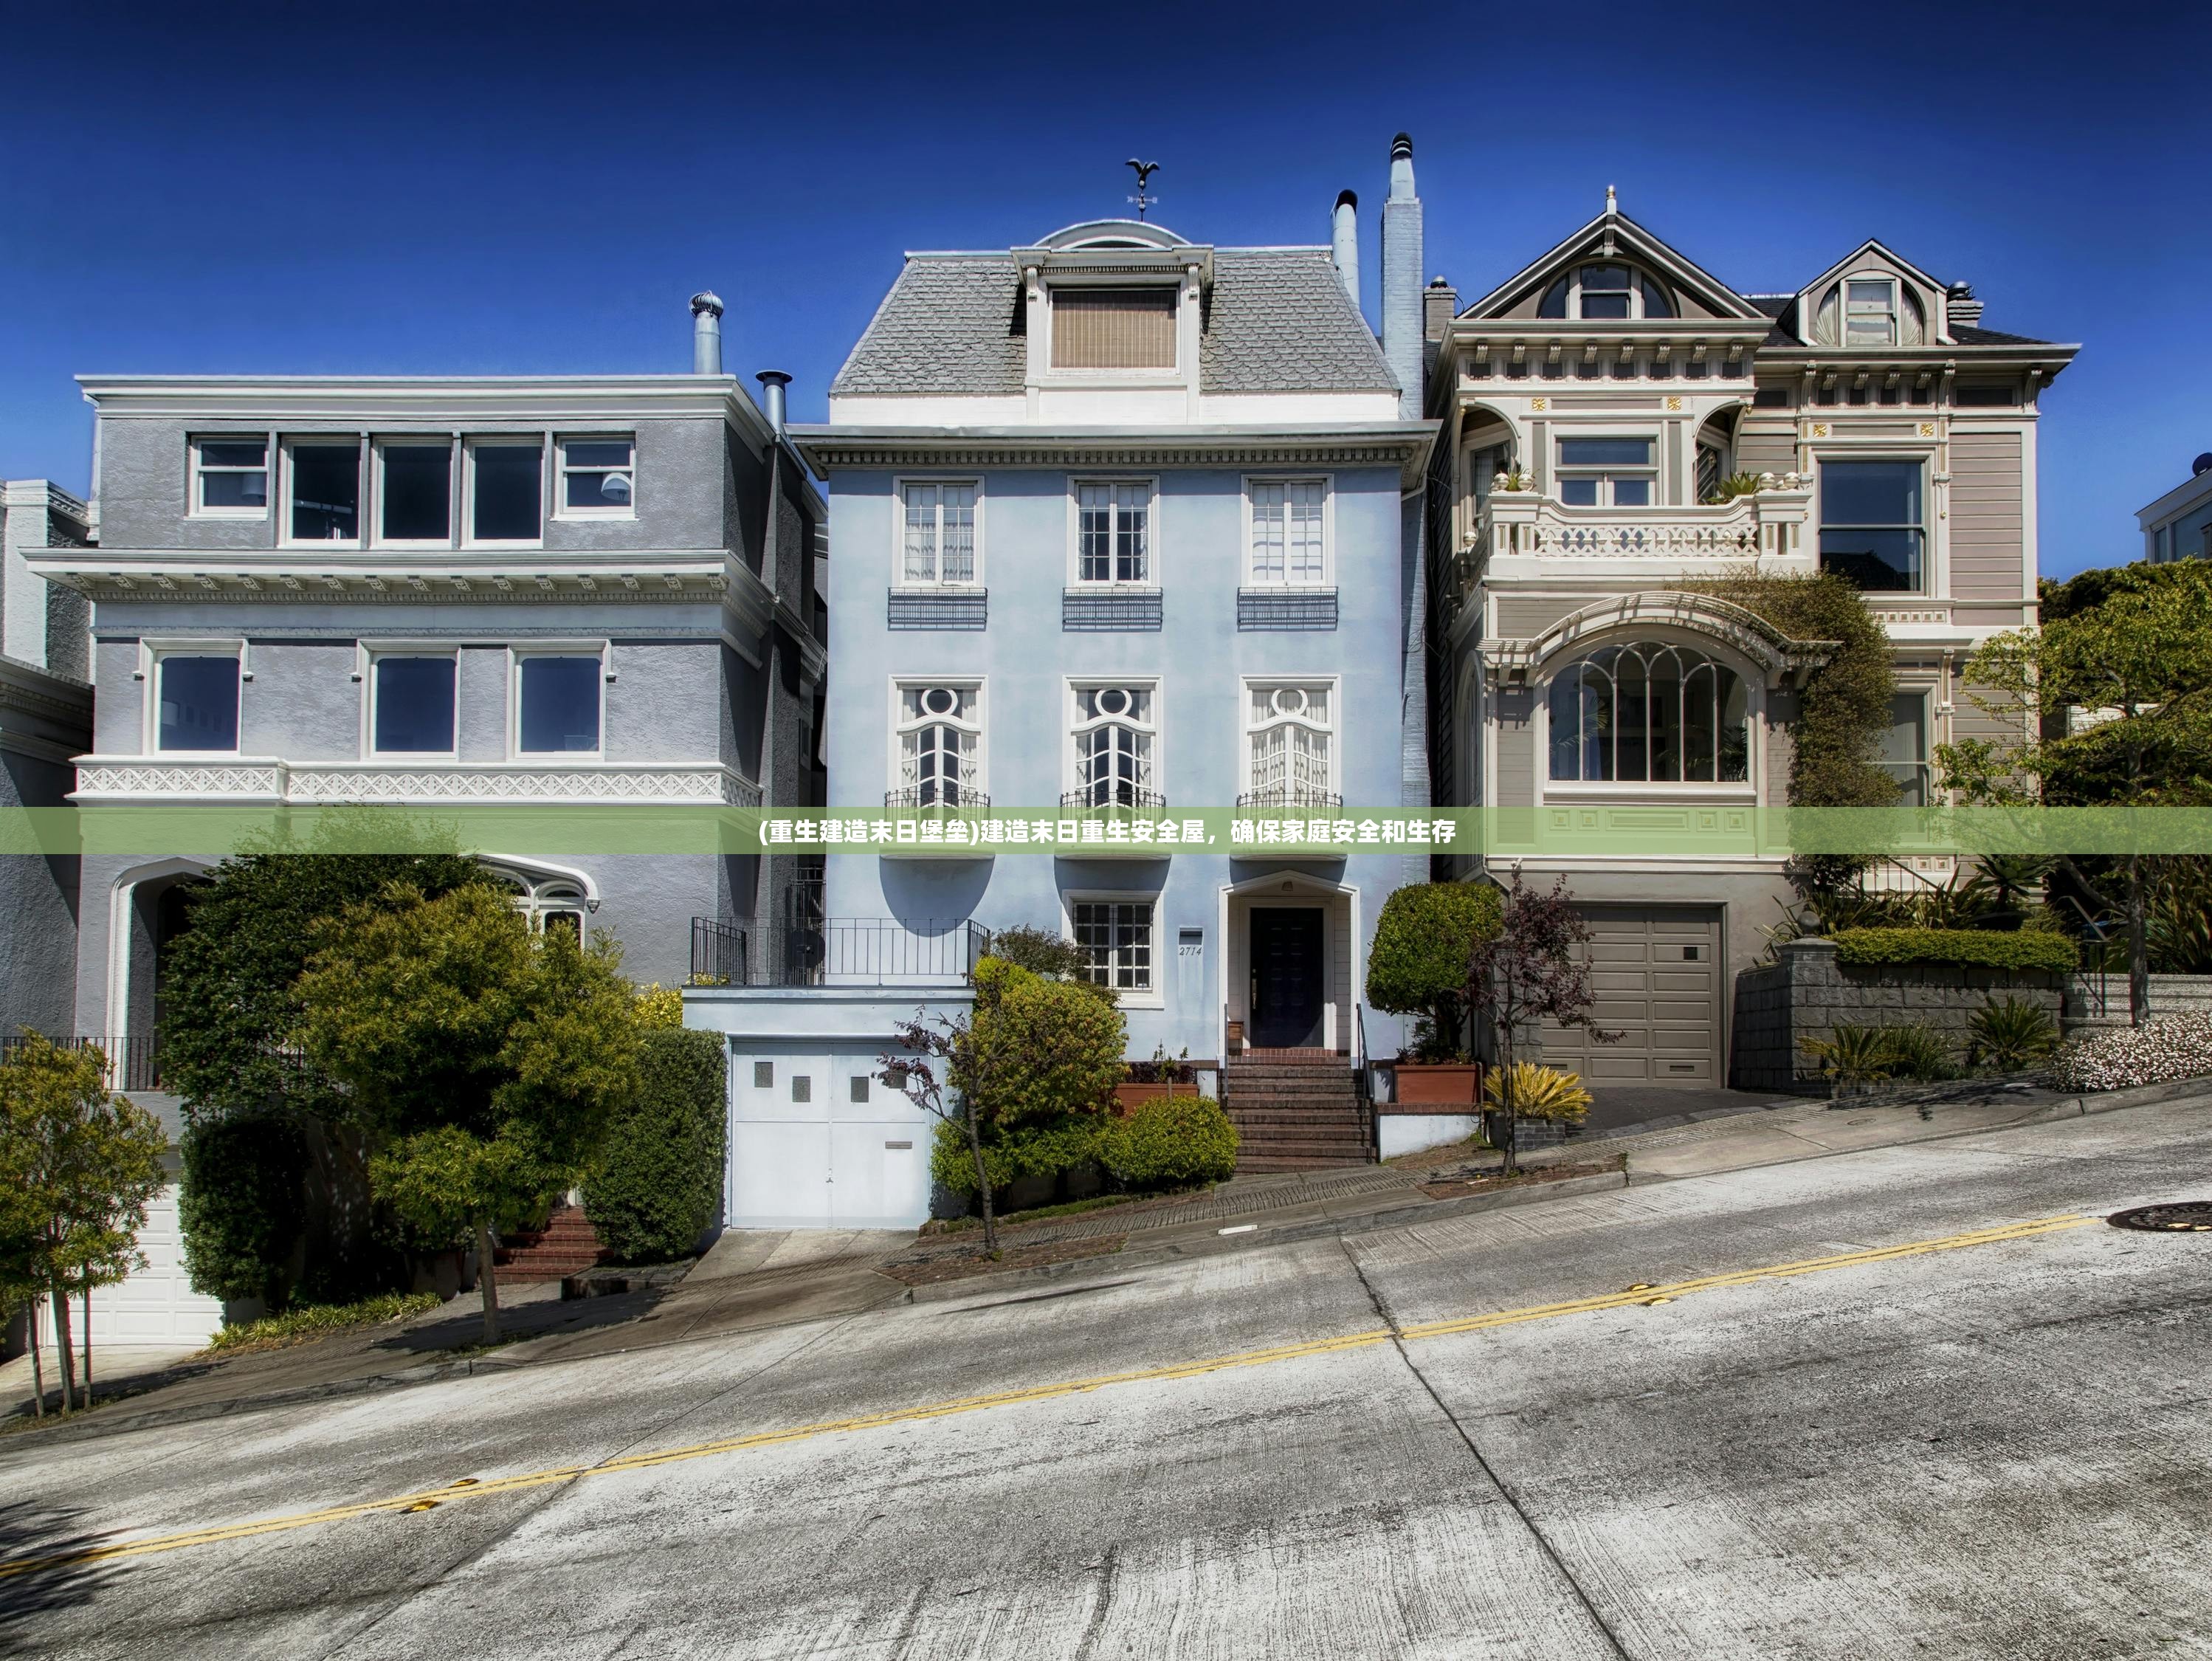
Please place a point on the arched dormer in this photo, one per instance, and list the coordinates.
(1606, 291)
(1873, 300)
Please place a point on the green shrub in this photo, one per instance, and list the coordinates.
(1852, 1057)
(1921, 1053)
(2009, 1035)
(310, 1320)
(657, 1184)
(1418, 965)
(242, 1205)
(1042, 952)
(1048, 1148)
(1175, 1141)
(1038, 1049)
(1980, 948)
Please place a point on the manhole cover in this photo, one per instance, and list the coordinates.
(2182, 1217)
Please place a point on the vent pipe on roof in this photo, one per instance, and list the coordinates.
(1344, 242)
(772, 381)
(706, 332)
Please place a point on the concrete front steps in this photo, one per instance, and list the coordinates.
(1295, 1115)
(565, 1246)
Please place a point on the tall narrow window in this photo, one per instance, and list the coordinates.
(1115, 730)
(230, 478)
(1649, 712)
(325, 504)
(1116, 938)
(197, 696)
(1606, 473)
(417, 505)
(1288, 532)
(1114, 530)
(505, 501)
(1905, 748)
(1873, 524)
(557, 702)
(939, 544)
(1113, 328)
(411, 704)
(1290, 744)
(597, 478)
(1869, 311)
(940, 746)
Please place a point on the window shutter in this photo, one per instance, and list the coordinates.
(1114, 329)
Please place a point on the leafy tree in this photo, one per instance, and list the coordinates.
(485, 1059)
(1041, 951)
(1418, 964)
(1033, 1052)
(80, 1166)
(1528, 971)
(657, 1184)
(241, 1204)
(2108, 702)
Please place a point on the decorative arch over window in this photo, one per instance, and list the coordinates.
(1606, 291)
(547, 896)
(1650, 711)
(1871, 308)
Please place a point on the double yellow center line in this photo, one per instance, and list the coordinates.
(470, 1487)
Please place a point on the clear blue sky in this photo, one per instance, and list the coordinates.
(536, 188)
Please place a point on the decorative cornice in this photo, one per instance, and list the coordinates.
(1401, 444)
(273, 780)
(26, 689)
(1733, 625)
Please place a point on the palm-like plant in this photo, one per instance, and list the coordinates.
(1852, 1056)
(1537, 1091)
(1734, 485)
(2007, 1035)
(1920, 1052)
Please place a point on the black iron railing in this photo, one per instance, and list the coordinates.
(880, 952)
(1288, 796)
(944, 793)
(1114, 793)
(134, 1062)
(718, 953)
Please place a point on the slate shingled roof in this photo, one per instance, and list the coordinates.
(1277, 320)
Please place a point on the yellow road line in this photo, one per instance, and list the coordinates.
(474, 1488)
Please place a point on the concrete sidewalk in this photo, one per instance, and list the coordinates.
(753, 1280)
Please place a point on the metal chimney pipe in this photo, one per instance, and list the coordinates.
(772, 381)
(706, 332)
(1344, 242)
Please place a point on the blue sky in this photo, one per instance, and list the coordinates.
(540, 188)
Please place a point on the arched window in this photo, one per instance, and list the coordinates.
(1601, 291)
(546, 899)
(1650, 711)
(1114, 729)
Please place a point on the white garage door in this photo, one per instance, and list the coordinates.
(157, 1304)
(818, 1142)
(1657, 977)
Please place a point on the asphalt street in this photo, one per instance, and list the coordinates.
(1469, 1437)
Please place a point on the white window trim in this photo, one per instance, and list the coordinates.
(1172, 374)
(1075, 578)
(151, 650)
(1637, 276)
(365, 655)
(1328, 482)
(374, 523)
(1154, 997)
(364, 505)
(1246, 726)
(561, 648)
(194, 470)
(1750, 789)
(898, 685)
(1071, 770)
(899, 581)
(1562, 471)
(1896, 312)
(1934, 545)
(471, 446)
(560, 509)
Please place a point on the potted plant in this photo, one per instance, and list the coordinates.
(1162, 1076)
(1417, 966)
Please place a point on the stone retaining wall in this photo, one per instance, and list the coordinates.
(2102, 999)
(1807, 993)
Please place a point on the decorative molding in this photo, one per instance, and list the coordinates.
(1400, 444)
(27, 690)
(130, 778)
(1745, 631)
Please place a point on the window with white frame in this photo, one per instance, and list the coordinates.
(323, 495)
(506, 489)
(1650, 711)
(1604, 291)
(940, 746)
(548, 903)
(415, 492)
(599, 478)
(1113, 531)
(1115, 936)
(230, 478)
(1115, 727)
(558, 700)
(1607, 473)
(937, 543)
(1290, 532)
(1290, 744)
(411, 702)
(1870, 312)
(195, 690)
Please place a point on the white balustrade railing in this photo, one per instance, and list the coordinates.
(272, 779)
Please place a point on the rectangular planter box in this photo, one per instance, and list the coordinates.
(1438, 1084)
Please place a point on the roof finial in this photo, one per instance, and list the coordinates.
(1611, 203)
(1144, 171)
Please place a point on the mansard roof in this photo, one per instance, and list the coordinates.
(1275, 321)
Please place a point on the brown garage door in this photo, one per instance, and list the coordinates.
(1657, 977)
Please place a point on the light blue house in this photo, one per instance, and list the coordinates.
(1119, 520)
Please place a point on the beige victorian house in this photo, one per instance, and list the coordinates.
(1602, 409)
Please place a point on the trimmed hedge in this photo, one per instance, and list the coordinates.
(1976, 947)
(656, 1185)
(1423, 939)
(1048, 1148)
(242, 1205)
(1173, 1142)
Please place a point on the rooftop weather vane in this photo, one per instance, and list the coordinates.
(1144, 171)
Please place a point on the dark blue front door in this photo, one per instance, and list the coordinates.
(1286, 976)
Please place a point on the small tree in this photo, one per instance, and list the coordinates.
(1032, 1050)
(485, 1059)
(80, 1164)
(1528, 971)
(1418, 965)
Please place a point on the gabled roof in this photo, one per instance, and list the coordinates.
(1614, 233)
(1857, 255)
(1275, 321)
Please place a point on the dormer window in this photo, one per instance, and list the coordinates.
(1113, 328)
(1605, 292)
(1870, 312)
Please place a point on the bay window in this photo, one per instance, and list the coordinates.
(1649, 712)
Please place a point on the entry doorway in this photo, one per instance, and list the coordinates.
(1288, 990)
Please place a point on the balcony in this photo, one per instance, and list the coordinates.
(718, 953)
(1113, 796)
(880, 952)
(272, 781)
(938, 796)
(1288, 799)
